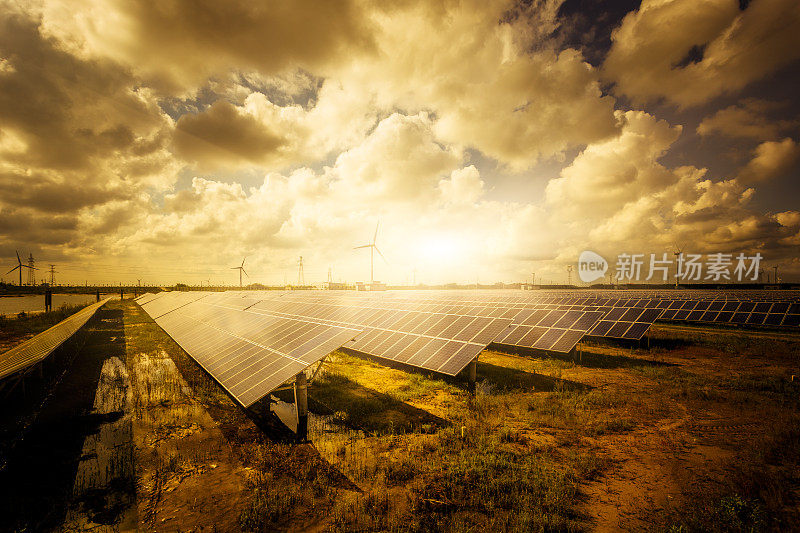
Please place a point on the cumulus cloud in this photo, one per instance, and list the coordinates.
(688, 51)
(463, 186)
(616, 196)
(178, 44)
(749, 119)
(258, 132)
(609, 174)
(500, 88)
(770, 159)
(399, 161)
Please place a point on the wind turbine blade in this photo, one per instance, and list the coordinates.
(18, 259)
(235, 268)
(245, 257)
(245, 273)
(365, 246)
(13, 269)
(376, 232)
(379, 252)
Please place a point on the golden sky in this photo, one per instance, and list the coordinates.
(165, 141)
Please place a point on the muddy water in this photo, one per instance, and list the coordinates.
(11, 305)
(319, 426)
(104, 489)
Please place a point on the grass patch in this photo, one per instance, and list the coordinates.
(28, 324)
(759, 495)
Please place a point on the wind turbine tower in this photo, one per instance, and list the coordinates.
(678, 263)
(19, 267)
(240, 268)
(372, 250)
(301, 279)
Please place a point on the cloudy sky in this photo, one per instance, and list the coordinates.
(165, 141)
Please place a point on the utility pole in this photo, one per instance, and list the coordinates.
(569, 274)
(52, 275)
(330, 276)
(301, 280)
(774, 277)
(31, 268)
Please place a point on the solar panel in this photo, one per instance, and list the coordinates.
(630, 323)
(148, 296)
(39, 347)
(549, 329)
(250, 354)
(405, 332)
(170, 301)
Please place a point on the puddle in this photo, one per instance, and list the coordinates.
(104, 491)
(319, 426)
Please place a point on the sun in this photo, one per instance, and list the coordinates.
(440, 249)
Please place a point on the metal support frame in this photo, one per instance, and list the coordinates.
(472, 375)
(301, 403)
(319, 367)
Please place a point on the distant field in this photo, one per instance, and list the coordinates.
(700, 432)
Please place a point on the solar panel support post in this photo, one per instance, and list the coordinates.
(301, 403)
(472, 375)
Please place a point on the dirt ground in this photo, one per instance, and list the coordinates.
(700, 431)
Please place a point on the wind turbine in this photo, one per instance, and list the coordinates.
(19, 266)
(241, 269)
(372, 249)
(678, 253)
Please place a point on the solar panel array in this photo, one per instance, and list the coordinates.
(250, 354)
(42, 345)
(253, 341)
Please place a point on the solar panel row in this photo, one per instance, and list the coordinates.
(249, 354)
(39, 347)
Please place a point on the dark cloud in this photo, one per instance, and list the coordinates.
(23, 227)
(178, 44)
(66, 110)
(223, 135)
(53, 195)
